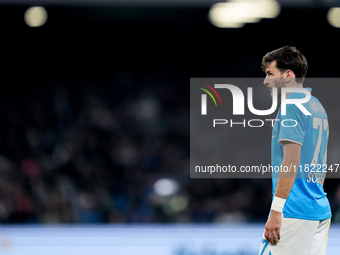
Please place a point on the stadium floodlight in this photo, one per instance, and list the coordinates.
(236, 13)
(333, 17)
(35, 16)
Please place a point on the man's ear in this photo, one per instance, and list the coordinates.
(288, 75)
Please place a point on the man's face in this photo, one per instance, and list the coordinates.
(274, 78)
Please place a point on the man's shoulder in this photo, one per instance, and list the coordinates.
(299, 94)
(316, 105)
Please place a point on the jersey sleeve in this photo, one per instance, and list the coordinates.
(292, 125)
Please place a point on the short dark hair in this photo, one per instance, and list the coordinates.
(287, 58)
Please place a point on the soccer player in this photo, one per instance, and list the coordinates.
(300, 213)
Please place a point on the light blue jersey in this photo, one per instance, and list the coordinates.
(307, 199)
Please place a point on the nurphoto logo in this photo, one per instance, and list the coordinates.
(238, 99)
(234, 120)
(204, 98)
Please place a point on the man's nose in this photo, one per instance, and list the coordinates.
(266, 81)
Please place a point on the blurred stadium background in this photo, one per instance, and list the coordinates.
(94, 106)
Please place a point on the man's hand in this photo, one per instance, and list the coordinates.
(272, 228)
(291, 160)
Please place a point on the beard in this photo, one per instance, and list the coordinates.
(279, 83)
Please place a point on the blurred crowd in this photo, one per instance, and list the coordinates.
(89, 149)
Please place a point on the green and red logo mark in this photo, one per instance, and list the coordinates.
(204, 98)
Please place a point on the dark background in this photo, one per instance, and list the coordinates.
(94, 107)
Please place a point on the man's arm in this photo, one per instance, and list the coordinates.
(323, 180)
(291, 160)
